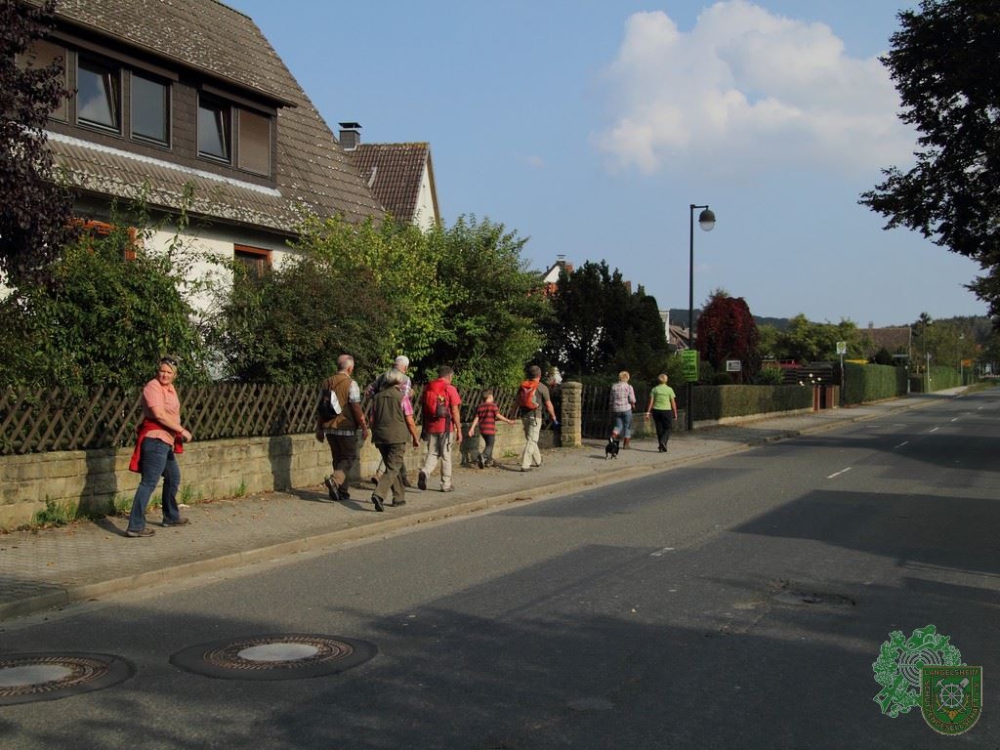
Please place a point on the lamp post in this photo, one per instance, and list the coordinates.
(706, 220)
(958, 353)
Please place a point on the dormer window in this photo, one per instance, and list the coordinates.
(98, 94)
(214, 129)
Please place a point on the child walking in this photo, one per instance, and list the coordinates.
(487, 414)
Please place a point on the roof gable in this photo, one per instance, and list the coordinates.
(395, 173)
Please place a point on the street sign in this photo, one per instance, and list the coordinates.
(841, 347)
(733, 365)
(689, 358)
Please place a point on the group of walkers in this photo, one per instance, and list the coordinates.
(340, 416)
(393, 425)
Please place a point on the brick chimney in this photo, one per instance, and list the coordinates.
(350, 135)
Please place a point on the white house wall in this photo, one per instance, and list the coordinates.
(425, 217)
(203, 247)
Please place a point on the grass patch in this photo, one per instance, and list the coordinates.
(54, 514)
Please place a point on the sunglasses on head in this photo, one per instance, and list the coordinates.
(169, 360)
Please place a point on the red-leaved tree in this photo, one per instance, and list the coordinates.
(726, 330)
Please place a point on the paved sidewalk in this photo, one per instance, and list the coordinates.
(89, 559)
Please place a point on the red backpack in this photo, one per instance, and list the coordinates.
(526, 395)
(435, 400)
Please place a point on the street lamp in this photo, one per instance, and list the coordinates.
(706, 220)
(961, 365)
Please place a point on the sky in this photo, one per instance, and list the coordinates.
(589, 127)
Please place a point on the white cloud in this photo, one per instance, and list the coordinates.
(748, 89)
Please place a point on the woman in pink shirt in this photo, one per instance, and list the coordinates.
(160, 436)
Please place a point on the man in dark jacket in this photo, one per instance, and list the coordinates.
(391, 427)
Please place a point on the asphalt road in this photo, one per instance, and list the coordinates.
(733, 604)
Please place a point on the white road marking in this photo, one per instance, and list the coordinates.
(905, 442)
(838, 473)
(955, 419)
(935, 429)
(659, 553)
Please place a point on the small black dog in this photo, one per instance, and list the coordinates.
(612, 448)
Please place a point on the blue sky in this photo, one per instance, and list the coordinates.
(590, 126)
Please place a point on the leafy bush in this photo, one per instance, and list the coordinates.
(98, 319)
(770, 376)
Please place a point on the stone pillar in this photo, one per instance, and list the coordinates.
(571, 419)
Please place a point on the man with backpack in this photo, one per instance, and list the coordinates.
(533, 397)
(441, 423)
(338, 418)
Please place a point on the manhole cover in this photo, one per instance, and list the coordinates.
(26, 678)
(274, 657)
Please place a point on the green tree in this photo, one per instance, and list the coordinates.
(403, 266)
(805, 341)
(494, 309)
(944, 64)
(35, 221)
(770, 344)
(599, 326)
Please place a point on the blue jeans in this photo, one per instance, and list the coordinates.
(623, 424)
(156, 460)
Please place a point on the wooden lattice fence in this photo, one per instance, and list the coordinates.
(38, 421)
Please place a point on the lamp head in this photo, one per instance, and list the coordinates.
(706, 220)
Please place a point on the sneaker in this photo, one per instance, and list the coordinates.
(406, 482)
(481, 461)
(344, 493)
(331, 487)
(422, 480)
(448, 489)
(377, 502)
(142, 532)
(178, 522)
(397, 503)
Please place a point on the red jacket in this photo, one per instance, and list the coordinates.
(144, 428)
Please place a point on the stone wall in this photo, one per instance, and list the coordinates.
(91, 480)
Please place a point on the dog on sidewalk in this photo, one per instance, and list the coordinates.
(612, 448)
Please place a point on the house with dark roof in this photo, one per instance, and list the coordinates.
(896, 340)
(400, 175)
(185, 104)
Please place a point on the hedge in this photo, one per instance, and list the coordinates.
(865, 383)
(721, 401)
